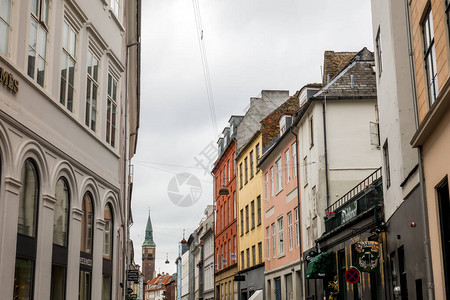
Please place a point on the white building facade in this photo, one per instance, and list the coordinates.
(68, 126)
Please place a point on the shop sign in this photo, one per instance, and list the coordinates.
(86, 261)
(8, 81)
(368, 256)
(349, 212)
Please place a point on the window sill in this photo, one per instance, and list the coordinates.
(116, 19)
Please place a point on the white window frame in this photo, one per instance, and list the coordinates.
(291, 242)
(268, 242)
(272, 183)
(280, 236)
(93, 81)
(430, 57)
(68, 60)
(279, 171)
(111, 126)
(5, 20)
(274, 242)
(288, 167)
(294, 158)
(297, 225)
(39, 21)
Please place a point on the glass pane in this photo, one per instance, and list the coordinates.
(88, 110)
(85, 286)
(87, 223)
(23, 279)
(70, 97)
(31, 62)
(109, 85)
(40, 71)
(58, 283)
(106, 288)
(62, 92)
(430, 19)
(72, 43)
(44, 11)
(61, 211)
(42, 42)
(34, 6)
(95, 65)
(4, 36)
(33, 33)
(88, 90)
(65, 33)
(94, 96)
(71, 71)
(89, 60)
(28, 198)
(5, 6)
(93, 119)
(114, 96)
(64, 65)
(107, 237)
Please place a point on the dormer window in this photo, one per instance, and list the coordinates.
(285, 123)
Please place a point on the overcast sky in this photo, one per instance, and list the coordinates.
(251, 45)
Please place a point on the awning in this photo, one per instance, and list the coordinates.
(321, 266)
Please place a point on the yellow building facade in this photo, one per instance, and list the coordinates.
(250, 221)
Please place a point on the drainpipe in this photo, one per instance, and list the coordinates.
(324, 101)
(298, 203)
(424, 208)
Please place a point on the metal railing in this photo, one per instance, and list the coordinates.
(362, 186)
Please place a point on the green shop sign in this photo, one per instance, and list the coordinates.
(368, 256)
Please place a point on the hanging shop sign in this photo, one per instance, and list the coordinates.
(368, 256)
(8, 81)
(349, 212)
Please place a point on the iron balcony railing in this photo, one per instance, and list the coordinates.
(358, 200)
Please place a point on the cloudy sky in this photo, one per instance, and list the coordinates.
(251, 45)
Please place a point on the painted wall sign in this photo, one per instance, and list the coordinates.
(368, 256)
(86, 261)
(8, 81)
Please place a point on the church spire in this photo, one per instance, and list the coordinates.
(149, 232)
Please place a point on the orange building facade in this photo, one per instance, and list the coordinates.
(430, 38)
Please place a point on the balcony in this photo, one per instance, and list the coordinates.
(356, 203)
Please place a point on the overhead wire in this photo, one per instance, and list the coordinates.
(206, 74)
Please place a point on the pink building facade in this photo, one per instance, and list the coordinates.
(280, 192)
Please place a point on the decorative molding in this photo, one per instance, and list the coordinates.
(12, 185)
(117, 66)
(74, 14)
(100, 224)
(49, 201)
(77, 214)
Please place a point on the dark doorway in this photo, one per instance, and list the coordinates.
(444, 208)
(277, 288)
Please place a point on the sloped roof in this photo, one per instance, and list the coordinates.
(358, 70)
(334, 62)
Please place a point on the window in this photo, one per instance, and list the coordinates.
(229, 211)
(235, 246)
(58, 283)
(224, 174)
(67, 66)
(294, 158)
(225, 213)
(430, 57)
(257, 156)
(268, 242)
(106, 287)
(5, 7)
(246, 169)
(26, 232)
(228, 167)
(260, 252)
(61, 213)
(85, 285)
(234, 204)
(297, 226)
(87, 222)
(443, 197)
(272, 183)
(266, 185)
(234, 164)
(252, 206)
(224, 258)
(279, 175)
(379, 51)
(247, 223)
(115, 6)
(91, 91)
(248, 257)
(253, 255)
(387, 170)
(242, 222)
(280, 228)
(305, 170)
(274, 245)
(111, 111)
(288, 167)
(291, 237)
(251, 164)
(240, 175)
(311, 132)
(108, 233)
(242, 260)
(258, 204)
(37, 42)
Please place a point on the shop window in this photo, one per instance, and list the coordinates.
(87, 223)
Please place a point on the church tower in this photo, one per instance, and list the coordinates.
(148, 252)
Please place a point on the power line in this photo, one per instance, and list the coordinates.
(201, 42)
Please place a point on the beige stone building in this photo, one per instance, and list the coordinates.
(69, 117)
(429, 30)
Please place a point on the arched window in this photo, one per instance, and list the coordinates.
(87, 232)
(60, 240)
(87, 223)
(61, 213)
(26, 232)
(108, 238)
